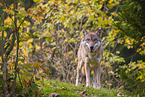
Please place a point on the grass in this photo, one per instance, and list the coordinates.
(62, 89)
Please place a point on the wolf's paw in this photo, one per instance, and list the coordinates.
(98, 87)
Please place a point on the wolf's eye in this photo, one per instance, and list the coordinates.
(95, 39)
(88, 39)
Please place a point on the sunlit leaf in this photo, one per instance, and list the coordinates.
(38, 47)
(25, 52)
(37, 1)
(30, 40)
(72, 40)
(70, 52)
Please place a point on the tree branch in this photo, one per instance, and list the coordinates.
(17, 53)
(11, 45)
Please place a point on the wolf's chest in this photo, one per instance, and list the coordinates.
(92, 59)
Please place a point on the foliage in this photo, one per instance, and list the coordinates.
(134, 77)
(13, 24)
(131, 27)
(132, 22)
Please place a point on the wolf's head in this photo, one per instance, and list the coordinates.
(91, 42)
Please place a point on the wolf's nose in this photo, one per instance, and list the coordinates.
(91, 47)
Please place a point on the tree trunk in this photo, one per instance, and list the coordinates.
(4, 60)
(5, 86)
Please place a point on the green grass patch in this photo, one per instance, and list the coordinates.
(62, 89)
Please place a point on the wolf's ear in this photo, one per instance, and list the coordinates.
(84, 32)
(99, 32)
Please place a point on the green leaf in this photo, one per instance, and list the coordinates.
(3, 28)
(22, 12)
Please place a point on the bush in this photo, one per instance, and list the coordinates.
(133, 76)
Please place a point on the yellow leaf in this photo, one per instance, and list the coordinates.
(30, 46)
(70, 52)
(5, 34)
(138, 49)
(142, 52)
(117, 52)
(111, 39)
(110, 1)
(45, 67)
(0, 59)
(72, 12)
(86, 1)
(106, 20)
(65, 40)
(115, 34)
(100, 19)
(91, 11)
(19, 62)
(60, 35)
(139, 77)
(25, 52)
(72, 40)
(8, 20)
(40, 71)
(30, 40)
(131, 46)
(59, 2)
(101, 63)
(113, 13)
(21, 43)
(127, 40)
(115, 31)
(76, 59)
(36, 0)
(38, 47)
(92, 72)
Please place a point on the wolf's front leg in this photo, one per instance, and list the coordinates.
(80, 64)
(87, 71)
(98, 77)
(95, 79)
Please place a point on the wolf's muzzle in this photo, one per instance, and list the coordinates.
(91, 49)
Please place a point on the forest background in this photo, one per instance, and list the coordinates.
(39, 39)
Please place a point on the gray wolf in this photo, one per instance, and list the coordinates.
(89, 57)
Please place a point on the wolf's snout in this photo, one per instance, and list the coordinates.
(91, 48)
